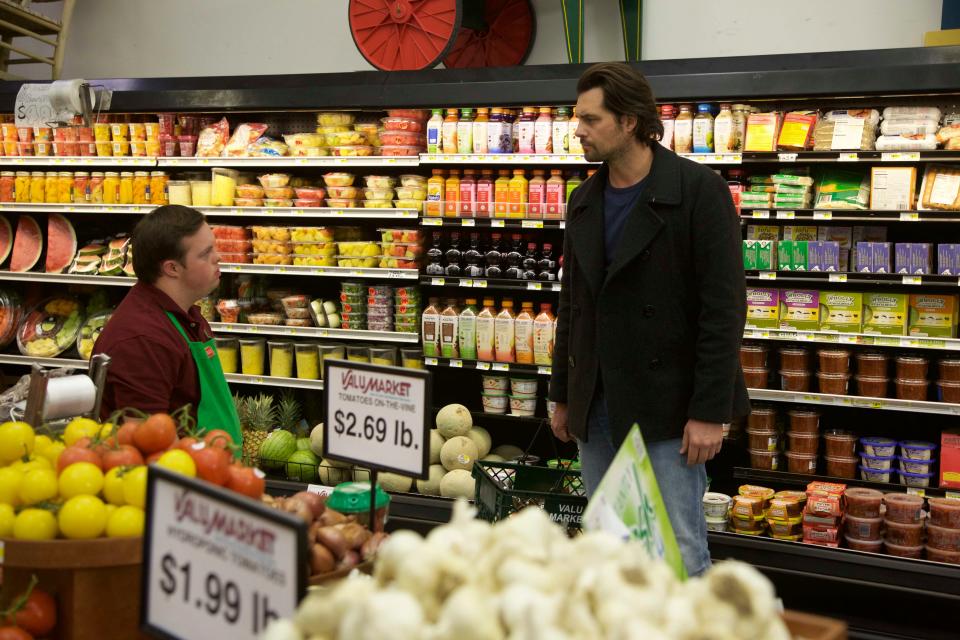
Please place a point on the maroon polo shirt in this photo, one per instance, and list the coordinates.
(151, 368)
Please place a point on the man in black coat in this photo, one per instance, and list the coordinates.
(652, 306)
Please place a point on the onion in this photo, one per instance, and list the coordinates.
(316, 502)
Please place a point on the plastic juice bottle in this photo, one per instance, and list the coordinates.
(485, 194)
(501, 193)
(555, 195)
(561, 131)
(434, 125)
(723, 139)
(451, 194)
(543, 131)
(467, 327)
(543, 336)
(537, 194)
(703, 130)
(523, 330)
(430, 325)
(435, 193)
(667, 115)
(527, 128)
(683, 130)
(448, 132)
(480, 140)
(504, 327)
(517, 197)
(573, 141)
(450, 330)
(514, 121)
(468, 194)
(495, 131)
(573, 182)
(486, 331)
(465, 132)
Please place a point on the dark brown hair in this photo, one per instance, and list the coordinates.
(158, 237)
(625, 93)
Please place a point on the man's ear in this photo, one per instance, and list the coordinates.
(629, 122)
(170, 268)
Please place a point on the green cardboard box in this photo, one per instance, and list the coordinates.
(766, 255)
(785, 255)
(749, 254)
(801, 255)
(841, 311)
(885, 313)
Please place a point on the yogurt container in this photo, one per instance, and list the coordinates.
(915, 479)
(915, 466)
(495, 384)
(873, 475)
(494, 403)
(720, 524)
(917, 449)
(523, 387)
(883, 447)
(877, 463)
(716, 506)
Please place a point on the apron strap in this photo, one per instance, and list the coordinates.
(176, 323)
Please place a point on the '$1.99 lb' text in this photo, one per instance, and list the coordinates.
(376, 429)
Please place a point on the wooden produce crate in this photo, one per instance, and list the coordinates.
(806, 626)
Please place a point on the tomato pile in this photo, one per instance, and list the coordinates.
(33, 614)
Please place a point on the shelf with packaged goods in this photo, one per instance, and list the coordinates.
(332, 272)
(497, 367)
(848, 215)
(861, 402)
(32, 208)
(799, 157)
(492, 223)
(69, 278)
(882, 279)
(316, 332)
(485, 283)
(274, 381)
(777, 478)
(78, 161)
(312, 212)
(504, 158)
(852, 339)
(26, 361)
(293, 161)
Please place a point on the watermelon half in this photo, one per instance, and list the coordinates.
(6, 239)
(27, 245)
(61, 243)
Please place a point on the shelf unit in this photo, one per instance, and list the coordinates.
(331, 272)
(847, 215)
(77, 161)
(492, 367)
(485, 283)
(235, 212)
(68, 278)
(778, 478)
(853, 339)
(859, 402)
(315, 332)
(290, 161)
(493, 223)
(532, 159)
(876, 279)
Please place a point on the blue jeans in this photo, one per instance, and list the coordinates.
(681, 486)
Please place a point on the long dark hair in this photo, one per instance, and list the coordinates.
(625, 93)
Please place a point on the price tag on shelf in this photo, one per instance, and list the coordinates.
(909, 216)
(500, 366)
(480, 284)
(884, 341)
(437, 282)
(456, 364)
(848, 157)
(497, 224)
(912, 280)
(786, 215)
(810, 398)
(323, 333)
(916, 491)
(845, 338)
(563, 224)
(464, 282)
(953, 495)
(544, 371)
(430, 362)
(555, 286)
(217, 564)
(823, 215)
(483, 366)
(534, 286)
(532, 224)
(912, 343)
(768, 275)
(468, 222)
(787, 157)
(805, 337)
(377, 416)
(762, 214)
(900, 156)
(837, 277)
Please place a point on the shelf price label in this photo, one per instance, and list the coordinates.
(900, 156)
(456, 364)
(497, 224)
(786, 215)
(532, 224)
(217, 564)
(768, 275)
(500, 366)
(837, 277)
(761, 214)
(909, 216)
(848, 157)
(823, 215)
(468, 222)
(483, 366)
(377, 416)
(431, 362)
(912, 280)
(787, 157)
(544, 371)
(914, 491)
(534, 286)
(437, 282)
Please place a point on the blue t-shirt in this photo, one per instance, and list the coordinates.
(617, 205)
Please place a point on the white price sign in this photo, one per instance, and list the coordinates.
(377, 416)
(217, 564)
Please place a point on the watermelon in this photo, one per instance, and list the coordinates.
(85, 265)
(93, 249)
(277, 448)
(61, 243)
(128, 269)
(6, 239)
(27, 245)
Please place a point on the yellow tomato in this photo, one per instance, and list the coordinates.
(106, 430)
(135, 486)
(38, 485)
(52, 453)
(126, 522)
(111, 508)
(7, 518)
(80, 428)
(178, 461)
(82, 517)
(35, 524)
(33, 462)
(41, 442)
(16, 441)
(10, 481)
(81, 478)
(113, 486)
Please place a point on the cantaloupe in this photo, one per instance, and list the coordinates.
(508, 451)
(492, 457)
(458, 484)
(454, 420)
(394, 482)
(316, 439)
(481, 438)
(436, 443)
(458, 453)
(331, 476)
(431, 486)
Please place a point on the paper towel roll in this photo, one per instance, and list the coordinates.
(65, 95)
(69, 396)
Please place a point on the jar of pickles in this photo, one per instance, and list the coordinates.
(51, 190)
(96, 188)
(81, 187)
(158, 187)
(141, 187)
(22, 186)
(64, 187)
(126, 188)
(8, 186)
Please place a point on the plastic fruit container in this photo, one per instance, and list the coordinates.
(236, 258)
(862, 528)
(716, 505)
(917, 449)
(842, 444)
(376, 194)
(249, 191)
(280, 247)
(902, 551)
(764, 460)
(873, 475)
(350, 193)
(872, 364)
(794, 380)
(50, 328)
(338, 179)
(352, 150)
(398, 150)
(804, 421)
(265, 318)
(948, 391)
(272, 258)
(875, 446)
(311, 234)
(807, 443)
(277, 202)
(949, 369)
(247, 202)
(277, 234)
(335, 118)
(916, 466)
(903, 534)
(794, 359)
(413, 114)
(872, 386)
(862, 502)
(938, 555)
(756, 378)
(378, 204)
(753, 356)
(413, 193)
(943, 538)
(233, 246)
(413, 180)
(912, 367)
(911, 389)
(841, 467)
(278, 192)
(915, 479)
(837, 384)
(401, 138)
(341, 203)
(834, 360)
(402, 124)
(274, 180)
(763, 440)
(314, 248)
(877, 463)
(762, 418)
(870, 546)
(801, 462)
(945, 512)
(903, 508)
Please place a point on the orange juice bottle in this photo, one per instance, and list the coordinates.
(537, 197)
(543, 326)
(434, 206)
(517, 197)
(505, 338)
(555, 195)
(486, 331)
(451, 194)
(523, 332)
(501, 193)
(449, 131)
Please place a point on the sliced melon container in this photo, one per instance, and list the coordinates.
(50, 328)
(90, 331)
(11, 311)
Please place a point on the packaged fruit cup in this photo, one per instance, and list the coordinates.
(274, 180)
(523, 387)
(408, 236)
(912, 367)
(911, 389)
(753, 356)
(716, 505)
(341, 203)
(872, 386)
(352, 150)
(939, 555)
(916, 466)
(338, 179)
(335, 118)
(873, 475)
(378, 204)
(523, 406)
(413, 180)
(870, 546)
(278, 192)
(862, 528)
(795, 380)
(756, 378)
(903, 507)
(277, 202)
(862, 502)
(877, 463)
(795, 359)
(841, 467)
(272, 258)
(903, 534)
(379, 182)
(917, 449)
(413, 193)
(305, 203)
(402, 138)
(948, 391)
(945, 512)
(874, 446)
(252, 353)
(801, 462)
(901, 551)
(494, 403)
(377, 194)
(395, 150)
(834, 360)
(384, 355)
(402, 124)
(763, 440)
(311, 234)
(915, 479)
(763, 418)
(269, 319)
(276, 234)
(350, 193)
(314, 248)
(943, 538)
(763, 460)
(188, 145)
(837, 384)
(358, 354)
(842, 444)
(310, 193)
(804, 420)
(412, 114)
(331, 352)
(949, 369)
(228, 350)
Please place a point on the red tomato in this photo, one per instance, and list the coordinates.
(213, 463)
(77, 454)
(219, 438)
(123, 456)
(156, 433)
(14, 633)
(186, 443)
(153, 457)
(39, 614)
(126, 431)
(247, 481)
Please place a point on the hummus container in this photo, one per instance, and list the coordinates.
(841, 467)
(804, 421)
(949, 369)
(795, 359)
(840, 443)
(763, 460)
(795, 380)
(872, 364)
(902, 507)
(748, 508)
(756, 378)
(948, 391)
(523, 387)
(917, 449)
(753, 356)
(716, 506)
(801, 462)
(763, 418)
(945, 512)
(901, 551)
(755, 491)
(873, 475)
(874, 446)
(808, 443)
(915, 466)
(834, 360)
(872, 386)
(522, 406)
(862, 502)
(915, 479)
(862, 528)
(912, 367)
(837, 384)
(877, 463)
(899, 533)
(911, 389)
(939, 555)
(870, 546)
(763, 439)
(943, 538)
(716, 525)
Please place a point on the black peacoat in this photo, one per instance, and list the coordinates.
(661, 328)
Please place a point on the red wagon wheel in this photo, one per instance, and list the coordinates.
(504, 40)
(395, 35)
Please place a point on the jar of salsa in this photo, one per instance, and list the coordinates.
(111, 187)
(81, 184)
(38, 187)
(52, 189)
(141, 187)
(158, 187)
(126, 188)
(8, 186)
(65, 187)
(94, 193)
(22, 182)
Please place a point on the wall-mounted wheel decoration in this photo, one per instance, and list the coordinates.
(395, 35)
(495, 33)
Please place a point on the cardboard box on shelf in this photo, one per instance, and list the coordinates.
(885, 313)
(933, 315)
(950, 459)
(763, 308)
(800, 309)
(841, 311)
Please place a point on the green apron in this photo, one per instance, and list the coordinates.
(216, 409)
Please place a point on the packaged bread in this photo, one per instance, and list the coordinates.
(914, 142)
(941, 188)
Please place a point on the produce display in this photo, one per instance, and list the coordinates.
(107, 257)
(11, 311)
(89, 332)
(50, 328)
(31, 614)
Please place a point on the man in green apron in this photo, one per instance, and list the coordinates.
(162, 351)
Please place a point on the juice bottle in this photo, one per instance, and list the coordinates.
(451, 194)
(526, 131)
(555, 196)
(467, 330)
(501, 193)
(486, 331)
(498, 134)
(683, 130)
(435, 192)
(703, 130)
(667, 115)
(573, 141)
(505, 338)
(450, 330)
(472, 258)
(561, 130)
(514, 259)
(465, 132)
(510, 115)
(430, 326)
(480, 140)
(517, 197)
(468, 194)
(453, 256)
(723, 139)
(485, 194)
(537, 194)
(494, 257)
(543, 336)
(523, 331)
(434, 125)
(543, 131)
(573, 182)
(434, 266)
(448, 132)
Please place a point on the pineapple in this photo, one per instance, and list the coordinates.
(289, 413)
(258, 416)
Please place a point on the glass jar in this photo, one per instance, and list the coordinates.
(65, 187)
(111, 187)
(178, 192)
(126, 188)
(51, 190)
(158, 187)
(95, 192)
(81, 187)
(38, 187)
(228, 349)
(8, 186)
(23, 186)
(141, 187)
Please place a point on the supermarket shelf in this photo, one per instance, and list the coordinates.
(316, 332)
(490, 366)
(24, 207)
(843, 215)
(311, 212)
(322, 161)
(504, 158)
(885, 404)
(484, 283)
(332, 272)
(43, 362)
(274, 381)
(69, 278)
(81, 161)
(885, 279)
(802, 480)
(855, 339)
(749, 157)
(492, 223)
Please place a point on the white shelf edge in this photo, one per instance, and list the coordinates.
(504, 158)
(853, 339)
(293, 161)
(316, 332)
(334, 272)
(884, 404)
(491, 367)
(312, 212)
(69, 278)
(29, 207)
(271, 381)
(82, 161)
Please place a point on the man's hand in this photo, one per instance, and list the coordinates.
(559, 423)
(701, 440)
